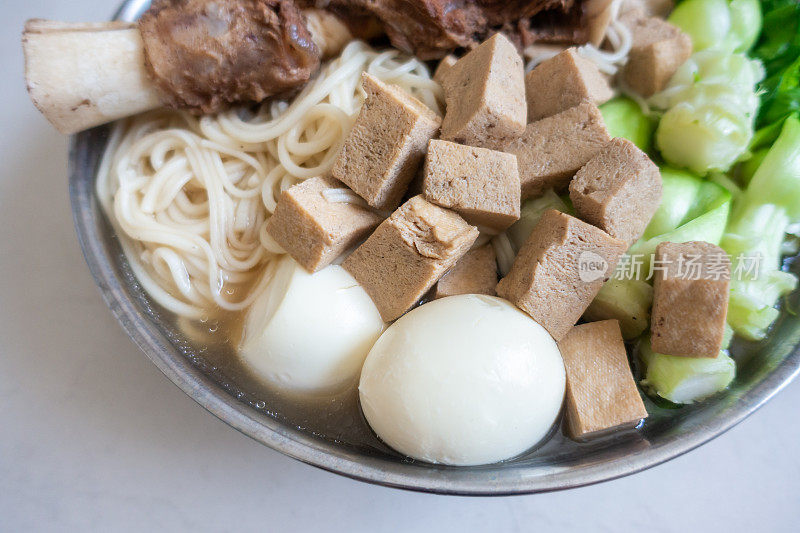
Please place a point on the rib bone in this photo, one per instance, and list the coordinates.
(81, 75)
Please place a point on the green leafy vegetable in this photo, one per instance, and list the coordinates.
(781, 94)
(684, 380)
(779, 50)
(624, 118)
(726, 182)
(710, 106)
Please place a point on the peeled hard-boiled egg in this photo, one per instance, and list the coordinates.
(464, 380)
(310, 333)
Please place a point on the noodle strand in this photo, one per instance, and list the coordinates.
(190, 197)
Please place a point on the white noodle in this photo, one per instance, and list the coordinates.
(620, 38)
(344, 196)
(483, 238)
(540, 54)
(190, 197)
(642, 102)
(504, 253)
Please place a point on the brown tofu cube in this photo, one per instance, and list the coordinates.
(479, 184)
(475, 273)
(485, 96)
(383, 151)
(315, 230)
(690, 299)
(408, 253)
(601, 393)
(562, 82)
(559, 270)
(444, 67)
(658, 49)
(553, 149)
(618, 190)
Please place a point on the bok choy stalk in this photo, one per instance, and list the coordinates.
(709, 108)
(732, 25)
(626, 300)
(530, 213)
(691, 209)
(755, 235)
(624, 118)
(684, 379)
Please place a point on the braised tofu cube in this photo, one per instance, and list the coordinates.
(314, 228)
(601, 393)
(658, 49)
(690, 299)
(479, 184)
(562, 82)
(475, 273)
(408, 253)
(387, 144)
(485, 96)
(618, 190)
(444, 67)
(559, 270)
(553, 149)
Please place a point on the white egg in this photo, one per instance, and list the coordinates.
(464, 380)
(310, 333)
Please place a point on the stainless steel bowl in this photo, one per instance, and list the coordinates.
(560, 464)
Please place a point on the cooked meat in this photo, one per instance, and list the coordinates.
(567, 25)
(432, 28)
(206, 54)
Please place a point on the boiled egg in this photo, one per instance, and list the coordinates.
(464, 380)
(309, 333)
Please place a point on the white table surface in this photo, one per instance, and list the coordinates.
(94, 438)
